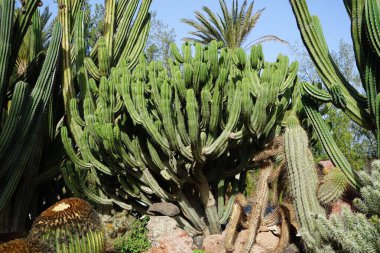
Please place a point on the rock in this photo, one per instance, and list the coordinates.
(163, 208)
(214, 243)
(336, 207)
(324, 167)
(292, 248)
(198, 241)
(267, 240)
(167, 237)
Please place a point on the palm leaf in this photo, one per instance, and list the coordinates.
(231, 26)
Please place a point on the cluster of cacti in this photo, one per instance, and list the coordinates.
(70, 225)
(26, 110)
(179, 134)
(354, 231)
(362, 109)
(349, 232)
(369, 203)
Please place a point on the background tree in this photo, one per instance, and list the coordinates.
(232, 28)
(159, 39)
(354, 141)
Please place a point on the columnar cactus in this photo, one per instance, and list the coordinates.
(303, 181)
(364, 29)
(25, 129)
(176, 133)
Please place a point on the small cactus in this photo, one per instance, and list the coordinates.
(71, 225)
(332, 186)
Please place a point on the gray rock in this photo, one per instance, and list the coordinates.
(198, 240)
(292, 248)
(163, 208)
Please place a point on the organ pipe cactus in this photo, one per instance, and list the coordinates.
(363, 109)
(179, 133)
(126, 28)
(25, 112)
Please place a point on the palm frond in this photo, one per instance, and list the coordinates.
(231, 26)
(266, 38)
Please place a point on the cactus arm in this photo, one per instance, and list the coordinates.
(193, 118)
(139, 46)
(75, 113)
(109, 27)
(175, 53)
(92, 69)
(22, 24)
(67, 87)
(180, 120)
(215, 113)
(70, 151)
(215, 147)
(326, 68)
(87, 153)
(124, 24)
(316, 93)
(167, 118)
(19, 105)
(148, 121)
(103, 57)
(372, 18)
(80, 48)
(124, 89)
(36, 43)
(356, 10)
(141, 21)
(5, 47)
(330, 146)
(371, 72)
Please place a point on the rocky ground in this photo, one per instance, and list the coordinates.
(167, 237)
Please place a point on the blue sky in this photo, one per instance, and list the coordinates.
(277, 19)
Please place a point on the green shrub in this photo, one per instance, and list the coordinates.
(199, 251)
(136, 240)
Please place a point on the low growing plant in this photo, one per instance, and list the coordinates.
(136, 240)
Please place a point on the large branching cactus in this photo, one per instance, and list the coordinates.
(178, 134)
(26, 114)
(126, 26)
(349, 232)
(363, 109)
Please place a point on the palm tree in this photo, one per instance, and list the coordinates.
(232, 28)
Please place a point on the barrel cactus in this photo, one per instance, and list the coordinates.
(70, 225)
